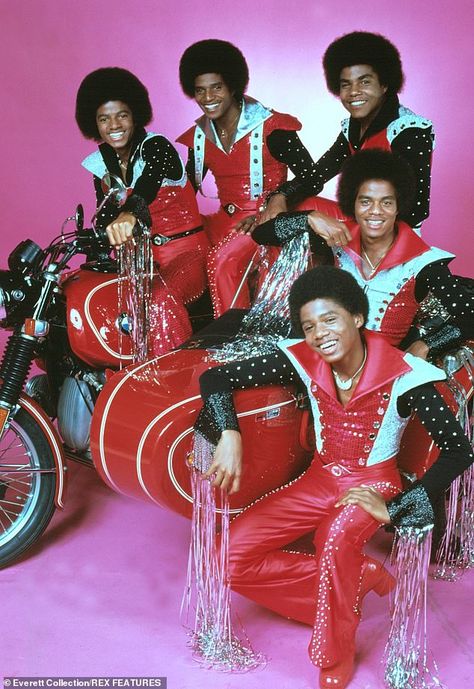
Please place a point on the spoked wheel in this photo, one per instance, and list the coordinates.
(28, 476)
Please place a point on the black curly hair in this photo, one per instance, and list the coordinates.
(364, 48)
(375, 163)
(327, 282)
(213, 56)
(106, 84)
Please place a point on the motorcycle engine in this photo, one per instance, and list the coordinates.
(75, 407)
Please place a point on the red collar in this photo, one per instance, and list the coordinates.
(407, 245)
(384, 364)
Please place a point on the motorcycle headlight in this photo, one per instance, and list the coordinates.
(24, 256)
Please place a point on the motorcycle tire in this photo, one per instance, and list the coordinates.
(28, 477)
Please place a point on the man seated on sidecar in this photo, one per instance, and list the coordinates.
(363, 392)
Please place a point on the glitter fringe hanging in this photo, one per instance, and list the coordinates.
(456, 551)
(268, 321)
(135, 266)
(406, 650)
(213, 640)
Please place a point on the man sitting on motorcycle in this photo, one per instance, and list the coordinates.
(113, 108)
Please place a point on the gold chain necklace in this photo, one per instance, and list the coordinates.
(373, 267)
(224, 133)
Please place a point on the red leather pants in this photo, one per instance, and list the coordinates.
(227, 265)
(178, 282)
(322, 589)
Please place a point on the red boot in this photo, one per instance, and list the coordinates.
(338, 676)
(374, 577)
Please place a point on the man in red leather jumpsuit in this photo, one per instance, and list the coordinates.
(247, 147)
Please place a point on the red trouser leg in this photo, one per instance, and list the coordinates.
(226, 267)
(168, 319)
(322, 589)
(181, 280)
(185, 274)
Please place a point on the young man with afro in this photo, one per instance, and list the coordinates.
(113, 108)
(395, 267)
(362, 393)
(247, 147)
(365, 71)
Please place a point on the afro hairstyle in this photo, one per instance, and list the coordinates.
(327, 282)
(375, 163)
(364, 48)
(106, 84)
(213, 56)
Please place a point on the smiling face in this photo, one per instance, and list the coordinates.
(376, 209)
(213, 96)
(333, 332)
(115, 124)
(361, 92)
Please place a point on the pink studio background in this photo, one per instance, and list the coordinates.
(98, 609)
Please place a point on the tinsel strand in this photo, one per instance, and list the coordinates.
(135, 263)
(406, 655)
(268, 321)
(213, 640)
(455, 552)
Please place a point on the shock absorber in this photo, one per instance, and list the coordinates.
(15, 366)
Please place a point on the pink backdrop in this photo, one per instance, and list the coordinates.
(47, 46)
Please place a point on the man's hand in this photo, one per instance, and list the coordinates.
(419, 348)
(227, 464)
(247, 225)
(121, 229)
(276, 204)
(369, 499)
(333, 231)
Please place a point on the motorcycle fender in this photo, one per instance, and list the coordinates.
(40, 416)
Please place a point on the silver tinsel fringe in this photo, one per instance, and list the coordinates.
(456, 551)
(406, 656)
(268, 321)
(135, 275)
(213, 640)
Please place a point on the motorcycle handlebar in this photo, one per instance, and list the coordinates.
(100, 234)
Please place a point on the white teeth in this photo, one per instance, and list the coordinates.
(358, 102)
(328, 345)
(212, 107)
(116, 135)
(374, 223)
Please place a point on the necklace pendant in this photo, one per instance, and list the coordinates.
(347, 384)
(343, 384)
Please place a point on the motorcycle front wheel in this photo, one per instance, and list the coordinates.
(28, 476)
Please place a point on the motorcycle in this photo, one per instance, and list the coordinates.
(73, 325)
(68, 322)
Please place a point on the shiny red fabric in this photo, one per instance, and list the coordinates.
(169, 324)
(322, 589)
(175, 209)
(227, 265)
(229, 259)
(349, 433)
(181, 264)
(232, 170)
